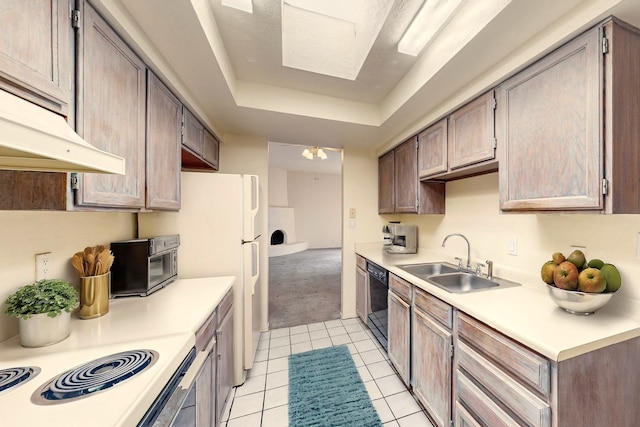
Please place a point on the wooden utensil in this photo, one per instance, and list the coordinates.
(88, 267)
(78, 263)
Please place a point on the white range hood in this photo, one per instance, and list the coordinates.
(35, 139)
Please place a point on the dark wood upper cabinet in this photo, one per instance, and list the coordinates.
(111, 112)
(406, 177)
(386, 179)
(399, 190)
(36, 52)
(432, 149)
(164, 135)
(460, 145)
(211, 150)
(568, 127)
(200, 149)
(471, 133)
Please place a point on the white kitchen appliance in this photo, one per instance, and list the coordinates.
(218, 225)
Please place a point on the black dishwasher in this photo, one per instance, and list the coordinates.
(378, 294)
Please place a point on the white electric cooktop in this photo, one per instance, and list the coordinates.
(121, 404)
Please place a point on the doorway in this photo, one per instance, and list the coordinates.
(305, 235)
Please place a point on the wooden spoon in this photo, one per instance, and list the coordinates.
(91, 264)
(77, 263)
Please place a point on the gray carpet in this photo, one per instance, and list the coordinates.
(304, 287)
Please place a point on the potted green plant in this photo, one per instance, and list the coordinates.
(44, 311)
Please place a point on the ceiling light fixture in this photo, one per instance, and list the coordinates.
(427, 24)
(314, 152)
(244, 5)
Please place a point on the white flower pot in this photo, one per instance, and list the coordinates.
(41, 330)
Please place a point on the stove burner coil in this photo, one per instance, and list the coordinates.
(13, 377)
(95, 376)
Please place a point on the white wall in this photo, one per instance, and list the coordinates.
(62, 233)
(316, 199)
(278, 193)
(360, 192)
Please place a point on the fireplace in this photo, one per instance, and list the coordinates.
(282, 232)
(277, 237)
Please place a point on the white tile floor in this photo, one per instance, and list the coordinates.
(262, 401)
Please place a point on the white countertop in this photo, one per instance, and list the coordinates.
(165, 321)
(525, 313)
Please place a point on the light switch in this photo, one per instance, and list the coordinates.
(512, 246)
(352, 213)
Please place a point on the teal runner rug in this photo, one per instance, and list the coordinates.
(325, 389)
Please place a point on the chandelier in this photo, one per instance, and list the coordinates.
(314, 153)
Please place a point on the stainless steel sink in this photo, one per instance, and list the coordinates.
(428, 269)
(461, 282)
(447, 276)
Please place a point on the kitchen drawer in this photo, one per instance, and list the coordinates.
(361, 262)
(400, 287)
(205, 334)
(225, 305)
(464, 418)
(523, 363)
(438, 309)
(485, 411)
(509, 392)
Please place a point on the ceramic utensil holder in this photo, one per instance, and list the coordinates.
(94, 296)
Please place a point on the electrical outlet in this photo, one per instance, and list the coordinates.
(512, 246)
(352, 213)
(42, 265)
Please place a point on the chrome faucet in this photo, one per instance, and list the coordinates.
(468, 248)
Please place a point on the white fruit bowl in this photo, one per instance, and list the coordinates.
(576, 302)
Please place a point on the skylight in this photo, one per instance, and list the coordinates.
(331, 37)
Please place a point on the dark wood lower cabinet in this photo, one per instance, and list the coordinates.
(224, 362)
(431, 363)
(362, 291)
(206, 393)
(399, 326)
(211, 389)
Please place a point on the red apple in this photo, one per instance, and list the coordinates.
(566, 276)
(592, 280)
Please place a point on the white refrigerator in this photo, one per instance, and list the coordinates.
(219, 227)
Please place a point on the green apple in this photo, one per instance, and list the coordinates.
(577, 258)
(611, 273)
(592, 280)
(566, 276)
(548, 268)
(596, 263)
